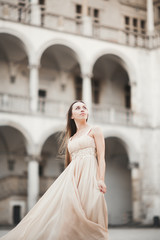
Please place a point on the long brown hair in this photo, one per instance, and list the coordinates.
(69, 132)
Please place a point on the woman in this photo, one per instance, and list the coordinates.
(73, 208)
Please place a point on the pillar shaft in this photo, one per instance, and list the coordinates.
(33, 183)
(86, 20)
(136, 191)
(35, 12)
(85, 8)
(87, 92)
(150, 17)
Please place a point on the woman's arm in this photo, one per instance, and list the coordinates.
(100, 146)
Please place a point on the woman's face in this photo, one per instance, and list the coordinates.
(79, 111)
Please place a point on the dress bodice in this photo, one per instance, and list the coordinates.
(82, 145)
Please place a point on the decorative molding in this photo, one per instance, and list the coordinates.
(128, 3)
(30, 158)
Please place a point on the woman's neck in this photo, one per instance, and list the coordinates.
(81, 125)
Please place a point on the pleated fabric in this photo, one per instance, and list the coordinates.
(73, 208)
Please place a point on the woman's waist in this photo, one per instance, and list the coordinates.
(84, 152)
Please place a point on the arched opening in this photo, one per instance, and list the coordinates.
(13, 151)
(111, 91)
(13, 170)
(118, 181)
(60, 79)
(52, 163)
(16, 214)
(14, 74)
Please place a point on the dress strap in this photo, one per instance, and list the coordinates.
(88, 130)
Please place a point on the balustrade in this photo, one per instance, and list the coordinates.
(117, 115)
(22, 13)
(58, 109)
(14, 103)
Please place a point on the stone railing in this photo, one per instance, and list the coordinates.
(62, 23)
(117, 115)
(14, 103)
(57, 109)
(9, 10)
(17, 185)
(22, 13)
(125, 37)
(13, 185)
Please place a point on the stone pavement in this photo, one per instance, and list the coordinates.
(126, 233)
(134, 234)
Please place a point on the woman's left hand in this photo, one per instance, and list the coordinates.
(102, 186)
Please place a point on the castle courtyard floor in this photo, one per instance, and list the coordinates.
(125, 233)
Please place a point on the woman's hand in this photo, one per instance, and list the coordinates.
(102, 186)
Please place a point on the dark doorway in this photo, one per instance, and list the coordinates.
(42, 94)
(16, 214)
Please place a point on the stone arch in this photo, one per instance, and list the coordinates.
(23, 38)
(47, 134)
(27, 137)
(128, 144)
(125, 60)
(52, 42)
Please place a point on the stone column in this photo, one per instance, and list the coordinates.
(86, 20)
(33, 181)
(150, 17)
(87, 92)
(35, 12)
(33, 87)
(136, 191)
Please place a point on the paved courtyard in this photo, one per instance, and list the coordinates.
(126, 234)
(134, 234)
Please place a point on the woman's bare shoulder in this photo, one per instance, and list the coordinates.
(96, 130)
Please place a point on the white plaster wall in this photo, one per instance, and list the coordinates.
(21, 85)
(51, 81)
(155, 85)
(6, 208)
(112, 92)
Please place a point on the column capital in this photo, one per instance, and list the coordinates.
(33, 66)
(33, 157)
(87, 75)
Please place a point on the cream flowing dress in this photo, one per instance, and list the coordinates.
(73, 208)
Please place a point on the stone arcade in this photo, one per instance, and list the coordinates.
(106, 52)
